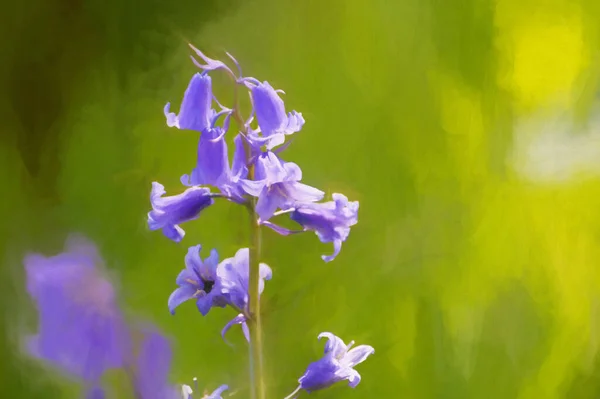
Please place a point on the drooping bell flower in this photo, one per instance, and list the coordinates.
(336, 365)
(169, 212)
(277, 185)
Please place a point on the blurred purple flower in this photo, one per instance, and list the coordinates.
(277, 185)
(273, 122)
(337, 364)
(198, 281)
(81, 329)
(152, 371)
(152, 368)
(195, 112)
(169, 212)
(331, 221)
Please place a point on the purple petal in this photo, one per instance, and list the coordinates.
(300, 192)
(238, 167)
(196, 105)
(351, 375)
(239, 319)
(254, 188)
(193, 262)
(180, 295)
(357, 355)
(268, 202)
(269, 109)
(212, 166)
(211, 64)
(334, 344)
(278, 229)
(204, 304)
(216, 394)
(337, 247)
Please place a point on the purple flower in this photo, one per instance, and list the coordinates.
(331, 221)
(277, 185)
(195, 112)
(81, 329)
(337, 364)
(273, 122)
(169, 212)
(234, 275)
(198, 281)
(212, 167)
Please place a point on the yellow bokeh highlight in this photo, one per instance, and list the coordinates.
(543, 50)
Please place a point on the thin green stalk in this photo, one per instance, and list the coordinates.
(257, 383)
(254, 324)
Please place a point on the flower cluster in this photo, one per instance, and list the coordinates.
(81, 328)
(274, 185)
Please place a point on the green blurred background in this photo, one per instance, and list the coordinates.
(465, 128)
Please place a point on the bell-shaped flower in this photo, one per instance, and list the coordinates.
(234, 276)
(81, 329)
(168, 212)
(198, 281)
(274, 124)
(277, 185)
(336, 365)
(232, 188)
(331, 221)
(212, 162)
(196, 108)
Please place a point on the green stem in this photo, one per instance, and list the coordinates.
(257, 383)
(254, 324)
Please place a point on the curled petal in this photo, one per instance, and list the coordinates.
(357, 355)
(239, 319)
(349, 374)
(334, 345)
(337, 247)
(216, 394)
(211, 64)
(180, 295)
(279, 229)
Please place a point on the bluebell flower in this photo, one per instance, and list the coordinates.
(198, 281)
(196, 108)
(234, 275)
(277, 185)
(169, 212)
(336, 365)
(331, 221)
(274, 124)
(81, 329)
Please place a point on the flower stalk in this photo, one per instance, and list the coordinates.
(254, 324)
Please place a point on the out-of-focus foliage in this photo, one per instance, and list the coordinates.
(465, 128)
